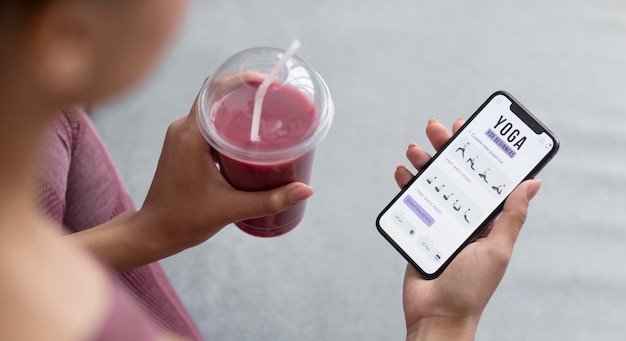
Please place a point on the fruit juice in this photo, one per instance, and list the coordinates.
(288, 118)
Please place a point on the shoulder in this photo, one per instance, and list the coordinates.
(66, 126)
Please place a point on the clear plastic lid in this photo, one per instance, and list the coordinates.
(236, 79)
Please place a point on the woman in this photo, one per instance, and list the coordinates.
(59, 53)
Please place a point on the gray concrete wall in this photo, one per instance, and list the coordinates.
(390, 66)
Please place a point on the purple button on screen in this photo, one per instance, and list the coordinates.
(418, 210)
(500, 143)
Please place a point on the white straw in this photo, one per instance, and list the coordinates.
(260, 93)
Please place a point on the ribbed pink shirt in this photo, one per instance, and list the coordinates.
(80, 188)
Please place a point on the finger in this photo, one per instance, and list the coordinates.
(190, 121)
(437, 133)
(403, 176)
(417, 156)
(457, 125)
(507, 226)
(265, 203)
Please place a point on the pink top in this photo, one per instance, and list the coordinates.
(125, 321)
(80, 188)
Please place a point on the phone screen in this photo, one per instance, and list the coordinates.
(466, 183)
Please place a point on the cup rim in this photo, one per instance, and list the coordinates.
(232, 151)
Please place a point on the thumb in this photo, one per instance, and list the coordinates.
(509, 223)
(265, 203)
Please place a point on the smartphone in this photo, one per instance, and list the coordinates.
(464, 186)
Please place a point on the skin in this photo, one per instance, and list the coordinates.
(58, 56)
(188, 202)
(449, 307)
(79, 51)
(84, 59)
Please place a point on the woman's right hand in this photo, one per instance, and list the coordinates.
(449, 307)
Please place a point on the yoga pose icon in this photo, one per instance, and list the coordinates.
(483, 175)
(462, 149)
(447, 196)
(465, 214)
(430, 180)
(438, 188)
(456, 205)
(472, 161)
(498, 189)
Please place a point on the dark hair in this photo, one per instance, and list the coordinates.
(21, 9)
(21, 4)
(14, 15)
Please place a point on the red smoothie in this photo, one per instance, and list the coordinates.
(288, 118)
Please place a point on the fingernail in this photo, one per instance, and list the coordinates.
(533, 189)
(412, 145)
(299, 194)
(432, 120)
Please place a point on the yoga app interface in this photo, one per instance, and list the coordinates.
(467, 181)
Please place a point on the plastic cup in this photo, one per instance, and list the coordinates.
(296, 115)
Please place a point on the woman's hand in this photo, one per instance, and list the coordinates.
(189, 200)
(449, 307)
